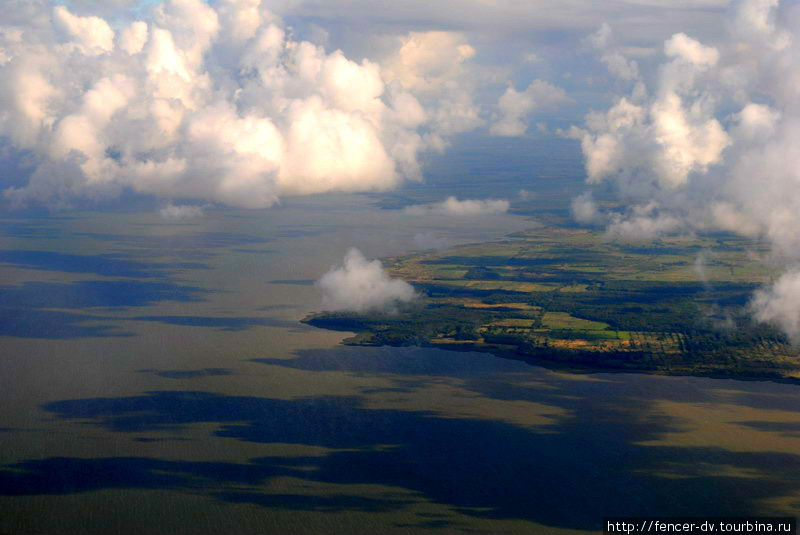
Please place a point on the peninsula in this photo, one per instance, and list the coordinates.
(569, 299)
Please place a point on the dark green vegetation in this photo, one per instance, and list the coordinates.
(567, 298)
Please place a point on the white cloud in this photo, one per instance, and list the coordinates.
(526, 195)
(430, 240)
(455, 207)
(360, 285)
(585, 210)
(134, 37)
(432, 67)
(710, 141)
(181, 211)
(431, 72)
(515, 106)
(92, 35)
(642, 227)
(615, 57)
(779, 304)
(219, 102)
(690, 50)
(428, 60)
(668, 138)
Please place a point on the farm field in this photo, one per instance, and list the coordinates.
(568, 298)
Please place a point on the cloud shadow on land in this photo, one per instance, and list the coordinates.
(584, 467)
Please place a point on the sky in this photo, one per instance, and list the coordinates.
(688, 110)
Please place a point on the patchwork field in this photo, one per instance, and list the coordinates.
(570, 299)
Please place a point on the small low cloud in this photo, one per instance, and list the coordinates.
(526, 195)
(467, 207)
(719, 318)
(515, 106)
(699, 267)
(429, 240)
(643, 222)
(779, 304)
(642, 227)
(360, 285)
(177, 212)
(585, 210)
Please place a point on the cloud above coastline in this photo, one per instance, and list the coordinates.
(692, 123)
(177, 212)
(461, 208)
(707, 142)
(360, 285)
(779, 304)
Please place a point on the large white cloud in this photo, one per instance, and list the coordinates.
(360, 285)
(219, 102)
(663, 138)
(712, 141)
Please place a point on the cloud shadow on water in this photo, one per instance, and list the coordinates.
(225, 323)
(62, 475)
(396, 361)
(28, 229)
(22, 307)
(198, 245)
(54, 325)
(189, 374)
(105, 265)
(87, 294)
(569, 474)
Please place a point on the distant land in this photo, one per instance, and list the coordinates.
(569, 299)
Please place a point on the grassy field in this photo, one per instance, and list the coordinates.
(569, 298)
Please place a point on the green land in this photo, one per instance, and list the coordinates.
(569, 299)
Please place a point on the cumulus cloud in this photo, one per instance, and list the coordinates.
(219, 102)
(92, 35)
(181, 211)
(431, 66)
(779, 304)
(455, 207)
(430, 240)
(613, 56)
(360, 285)
(710, 141)
(585, 210)
(642, 227)
(515, 106)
